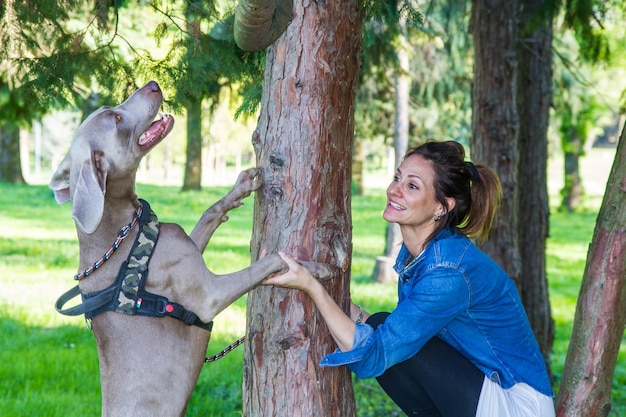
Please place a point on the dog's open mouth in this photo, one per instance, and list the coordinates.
(156, 131)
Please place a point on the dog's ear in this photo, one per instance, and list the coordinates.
(60, 182)
(88, 198)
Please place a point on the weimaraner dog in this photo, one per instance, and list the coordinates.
(151, 354)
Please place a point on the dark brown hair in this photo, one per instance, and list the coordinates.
(475, 188)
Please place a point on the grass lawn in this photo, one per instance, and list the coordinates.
(49, 361)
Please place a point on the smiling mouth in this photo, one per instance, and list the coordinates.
(396, 206)
(156, 131)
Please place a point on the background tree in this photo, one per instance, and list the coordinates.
(10, 110)
(601, 308)
(20, 103)
(397, 15)
(533, 100)
(383, 270)
(510, 123)
(51, 62)
(192, 99)
(202, 61)
(495, 119)
(54, 62)
(585, 388)
(578, 107)
(426, 52)
(303, 143)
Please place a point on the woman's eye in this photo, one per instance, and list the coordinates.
(396, 178)
(413, 186)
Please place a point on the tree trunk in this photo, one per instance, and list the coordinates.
(303, 143)
(193, 165)
(358, 162)
(534, 96)
(494, 119)
(572, 191)
(10, 160)
(585, 390)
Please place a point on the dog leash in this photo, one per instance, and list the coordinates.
(122, 234)
(226, 351)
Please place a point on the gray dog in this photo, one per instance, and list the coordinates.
(151, 354)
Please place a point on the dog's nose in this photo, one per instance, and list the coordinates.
(153, 86)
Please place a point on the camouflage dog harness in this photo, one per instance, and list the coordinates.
(127, 295)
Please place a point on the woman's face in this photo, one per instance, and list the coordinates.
(411, 195)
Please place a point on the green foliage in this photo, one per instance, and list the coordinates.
(59, 52)
(51, 62)
(582, 107)
(15, 107)
(585, 18)
(440, 70)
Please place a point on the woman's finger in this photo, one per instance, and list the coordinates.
(293, 265)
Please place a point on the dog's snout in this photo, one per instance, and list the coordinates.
(153, 86)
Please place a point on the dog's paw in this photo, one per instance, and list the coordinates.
(246, 182)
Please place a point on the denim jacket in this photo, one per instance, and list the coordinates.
(454, 291)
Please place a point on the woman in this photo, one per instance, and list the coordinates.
(458, 343)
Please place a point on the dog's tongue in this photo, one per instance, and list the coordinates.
(156, 131)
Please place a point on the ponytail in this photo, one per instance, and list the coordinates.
(486, 193)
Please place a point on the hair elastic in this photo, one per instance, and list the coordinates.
(473, 171)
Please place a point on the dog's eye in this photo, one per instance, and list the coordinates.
(118, 117)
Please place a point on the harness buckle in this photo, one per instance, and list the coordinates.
(161, 305)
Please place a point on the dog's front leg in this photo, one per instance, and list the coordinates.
(223, 290)
(216, 214)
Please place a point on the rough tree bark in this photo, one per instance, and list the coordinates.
(303, 142)
(534, 96)
(494, 119)
(585, 389)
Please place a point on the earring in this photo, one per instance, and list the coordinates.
(437, 217)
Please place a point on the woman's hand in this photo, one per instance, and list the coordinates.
(341, 326)
(298, 277)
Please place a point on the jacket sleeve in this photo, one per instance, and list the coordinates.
(427, 304)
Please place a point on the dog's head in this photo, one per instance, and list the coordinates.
(108, 146)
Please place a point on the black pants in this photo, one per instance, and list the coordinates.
(437, 382)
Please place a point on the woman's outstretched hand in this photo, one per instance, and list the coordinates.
(298, 277)
(340, 324)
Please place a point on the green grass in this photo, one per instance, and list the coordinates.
(49, 361)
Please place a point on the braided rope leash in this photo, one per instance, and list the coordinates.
(226, 351)
(122, 234)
